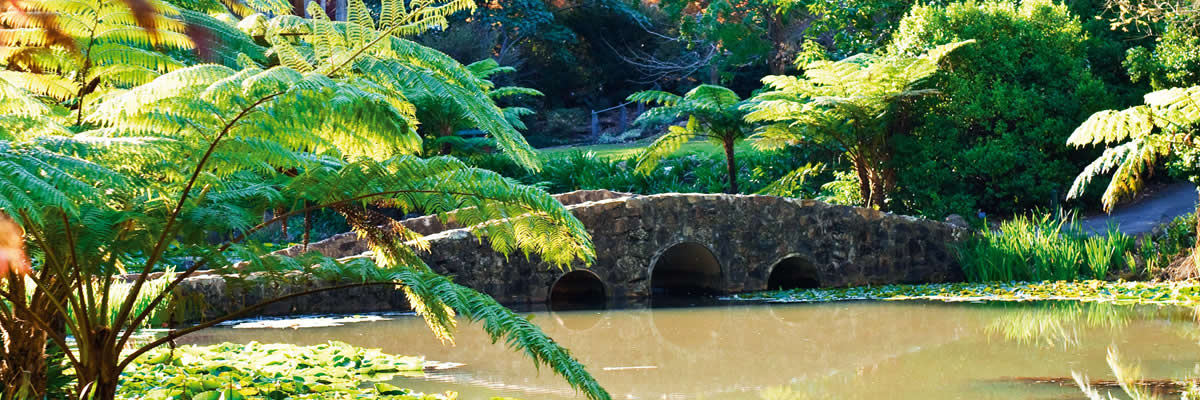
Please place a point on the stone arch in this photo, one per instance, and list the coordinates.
(578, 289)
(686, 269)
(793, 272)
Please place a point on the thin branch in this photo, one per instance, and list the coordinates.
(156, 252)
(196, 266)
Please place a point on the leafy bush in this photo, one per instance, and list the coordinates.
(558, 126)
(686, 173)
(1168, 242)
(1041, 247)
(994, 140)
(1174, 61)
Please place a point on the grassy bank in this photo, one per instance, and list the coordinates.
(616, 151)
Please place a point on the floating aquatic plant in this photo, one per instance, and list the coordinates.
(1163, 293)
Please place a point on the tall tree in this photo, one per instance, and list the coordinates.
(713, 112)
(144, 187)
(994, 142)
(857, 104)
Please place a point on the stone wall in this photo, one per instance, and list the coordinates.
(746, 234)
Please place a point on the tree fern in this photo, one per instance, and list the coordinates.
(398, 68)
(713, 112)
(853, 104)
(1142, 135)
(169, 154)
(441, 117)
(89, 47)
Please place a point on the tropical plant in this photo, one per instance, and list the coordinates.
(328, 129)
(856, 104)
(441, 117)
(96, 46)
(713, 112)
(1140, 136)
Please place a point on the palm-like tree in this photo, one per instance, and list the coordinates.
(1165, 125)
(208, 148)
(855, 104)
(713, 112)
(441, 117)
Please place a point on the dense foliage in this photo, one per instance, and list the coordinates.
(858, 105)
(179, 170)
(682, 173)
(994, 142)
(269, 371)
(1042, 247)
(1160, 293)
(713, 113)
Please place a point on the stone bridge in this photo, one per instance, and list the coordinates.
(697, 243)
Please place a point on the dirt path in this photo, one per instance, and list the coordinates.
(1143, 215)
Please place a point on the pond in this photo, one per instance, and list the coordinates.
(846, 350)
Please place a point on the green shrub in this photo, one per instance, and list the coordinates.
(994, 139)
(685, 173)
(1168, 242)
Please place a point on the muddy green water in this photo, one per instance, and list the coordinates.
(855, 350)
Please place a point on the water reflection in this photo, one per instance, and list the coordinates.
(864, 350)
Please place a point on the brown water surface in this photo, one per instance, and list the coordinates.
(853, 350)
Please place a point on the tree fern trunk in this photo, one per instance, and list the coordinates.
(864, 180)
(1196, 245)
(98, 366)
(23, 358)
(731, 165)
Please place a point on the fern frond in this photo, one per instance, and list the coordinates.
(655, 97)
(1179, 106)
(793, 181)
(1112, 126)
(435, 292)
(662, 147)
(53, 86)
(509, 91)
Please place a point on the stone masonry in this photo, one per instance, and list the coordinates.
(747, 234)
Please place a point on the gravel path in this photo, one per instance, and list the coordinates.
(1142, 216)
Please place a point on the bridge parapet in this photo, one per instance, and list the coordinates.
(665, 243)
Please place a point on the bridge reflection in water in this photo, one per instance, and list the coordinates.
(860, 350)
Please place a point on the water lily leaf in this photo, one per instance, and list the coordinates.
(209, 395)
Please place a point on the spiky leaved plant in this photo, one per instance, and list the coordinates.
(713, 112)
(855, 104)
(188, 152)
(232, 122)
(95, 46)
(441, 117)
(1140, 136)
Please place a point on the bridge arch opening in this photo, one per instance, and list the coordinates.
(686, 269)
(793, 272)
(579, 289)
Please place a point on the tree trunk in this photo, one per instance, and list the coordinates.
(1196, 246)
(446, 147)
(23, 360)
(777, 62)
(731, 165)
(878, 191)
(99, 365)
(864, 180)
(23, 357)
